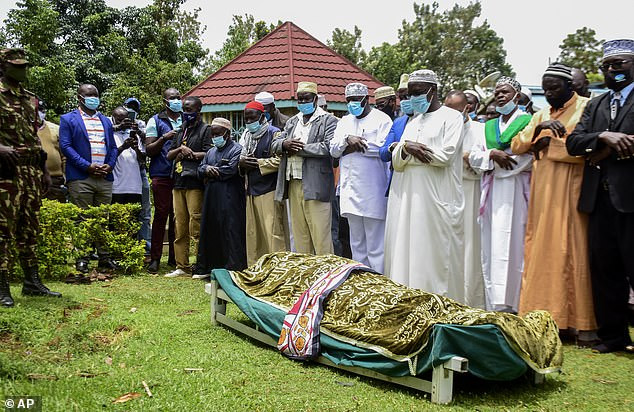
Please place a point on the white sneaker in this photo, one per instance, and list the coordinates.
(176, 273)
(200, 276)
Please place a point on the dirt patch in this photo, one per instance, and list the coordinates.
(120, 333)
(96, 312)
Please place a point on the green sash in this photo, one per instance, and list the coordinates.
(497, 140)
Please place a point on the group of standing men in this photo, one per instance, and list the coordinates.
(522, 212)
(525, 212)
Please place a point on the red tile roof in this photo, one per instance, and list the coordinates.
(276, 64)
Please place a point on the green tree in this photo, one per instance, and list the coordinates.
(33, 22)
(136, 51)
(582, 50)
(243, 32)
(386, 62)
(348, 44)
(452, 44)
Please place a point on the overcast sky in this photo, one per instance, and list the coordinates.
(532, 30)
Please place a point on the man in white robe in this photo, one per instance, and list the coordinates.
(424, 225)
(504, 199)
(473, 133)
(363, 176)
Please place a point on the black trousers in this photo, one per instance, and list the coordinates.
(611, 241)
(126, 198)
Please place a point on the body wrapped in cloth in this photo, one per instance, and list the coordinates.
(380, 321)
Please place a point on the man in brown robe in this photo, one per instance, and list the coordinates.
(556, 274)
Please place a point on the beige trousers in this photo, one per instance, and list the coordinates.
(265, 226)
(310, 222)
(188, 204)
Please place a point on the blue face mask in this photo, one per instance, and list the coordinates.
(306, 108)
(267, 115)
(175, 105)
(91, 102)
(472, 115)
(189, 116)
(522, 107)
(253, 127)
(355, 108)
(219, 141)
(420, 104)
(508, 107)
(406, 106)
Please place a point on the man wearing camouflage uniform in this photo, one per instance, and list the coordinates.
(23, 177)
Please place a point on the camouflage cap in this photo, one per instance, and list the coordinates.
(13, 56)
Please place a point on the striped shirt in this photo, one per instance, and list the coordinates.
(96, 137)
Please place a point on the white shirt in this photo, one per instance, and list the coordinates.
(127, 177)
(473, 139)
(364, 177)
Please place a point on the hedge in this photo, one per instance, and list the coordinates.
(68, 232)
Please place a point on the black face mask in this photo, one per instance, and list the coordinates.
(387, 109)
(17, 73)
(618, 79)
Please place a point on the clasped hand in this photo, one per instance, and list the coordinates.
(418, 150)
(212, 171)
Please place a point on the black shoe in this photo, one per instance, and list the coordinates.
(153, 267)
(171, 263)
(33, 286)
(82, 266)
(107, 264)
(604, 348)
(5, 292)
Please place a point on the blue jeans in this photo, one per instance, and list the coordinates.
(146, 212)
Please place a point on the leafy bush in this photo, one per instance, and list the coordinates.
(68, 232)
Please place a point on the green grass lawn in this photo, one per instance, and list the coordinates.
(83, 351)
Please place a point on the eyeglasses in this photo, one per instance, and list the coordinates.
(616, 65)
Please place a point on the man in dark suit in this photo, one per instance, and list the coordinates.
(86, 138)
(605, 135)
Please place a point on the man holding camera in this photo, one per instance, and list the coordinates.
(127, 185)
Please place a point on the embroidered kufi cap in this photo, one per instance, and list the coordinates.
(423, 76)
(618, 47)
(511, 82)
(307, 87)
(383, 92)
(356, 89)
(403, 82)
(222, 122)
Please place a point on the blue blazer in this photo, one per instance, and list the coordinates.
(393, 136)
(74, 144)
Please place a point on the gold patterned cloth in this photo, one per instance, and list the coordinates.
(373, 312)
